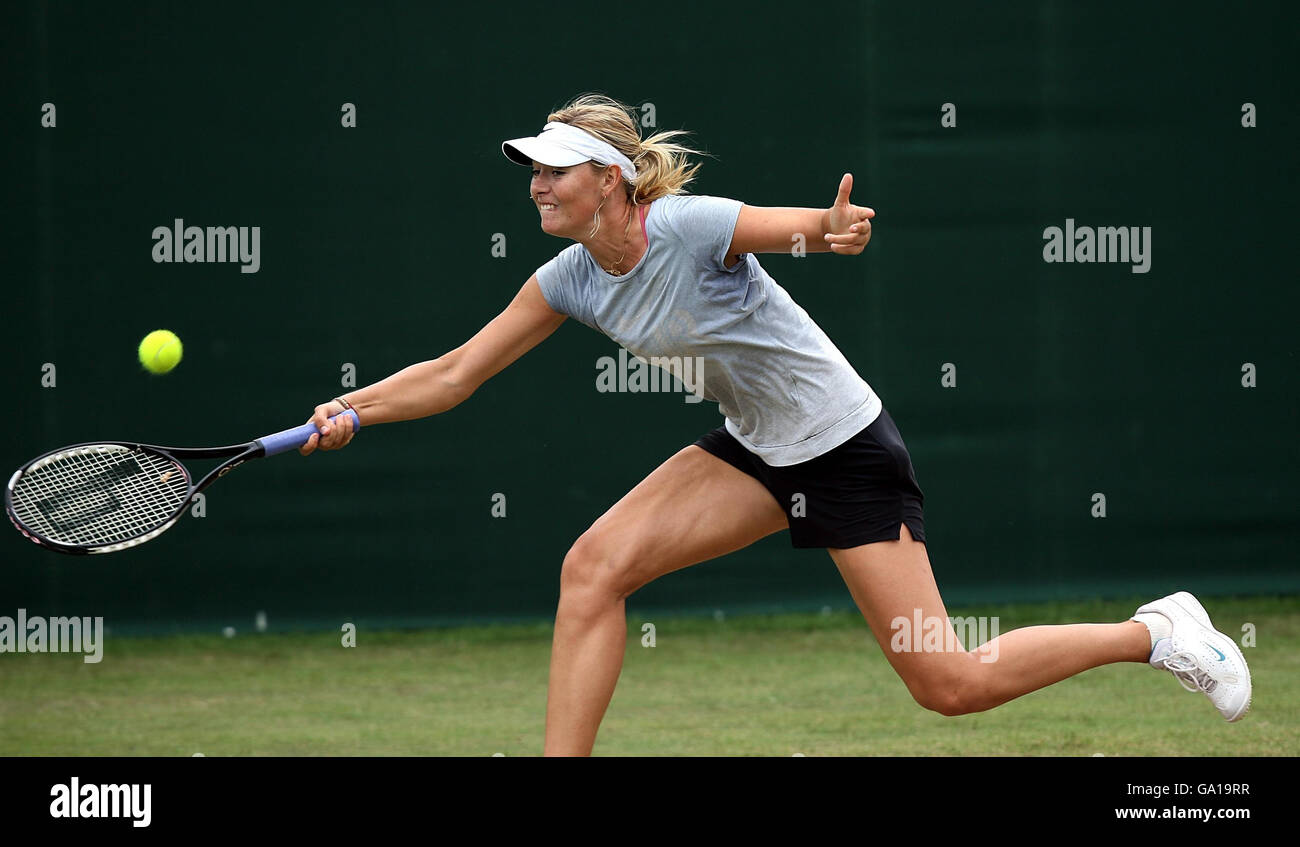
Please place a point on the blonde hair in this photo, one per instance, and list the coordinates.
(662, 167)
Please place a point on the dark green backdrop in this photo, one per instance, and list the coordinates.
(1072, 379)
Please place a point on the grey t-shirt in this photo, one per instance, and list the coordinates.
(787, 392)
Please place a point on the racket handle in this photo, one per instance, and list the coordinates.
(292, 439)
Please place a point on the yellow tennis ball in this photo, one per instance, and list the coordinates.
(160, 351)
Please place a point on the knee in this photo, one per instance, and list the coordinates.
(949, 692)
(594, 574)
(949, 703)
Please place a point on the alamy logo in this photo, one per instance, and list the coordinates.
(1103, 244)
(931, 634)
(93, 800)
(658, 373)
(57, 635)
(180, 243)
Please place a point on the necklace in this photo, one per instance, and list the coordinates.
(626, 229)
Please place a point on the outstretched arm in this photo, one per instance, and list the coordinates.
(843, 228)
(433, 387)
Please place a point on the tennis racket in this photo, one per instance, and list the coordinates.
(106, 496)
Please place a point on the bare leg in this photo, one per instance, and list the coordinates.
(890, 580)
(692, 508)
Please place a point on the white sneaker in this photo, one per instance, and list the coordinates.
(1202, 658)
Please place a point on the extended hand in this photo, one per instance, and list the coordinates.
(850, 226)
(332, 436)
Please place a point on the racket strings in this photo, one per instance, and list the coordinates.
(99, 494)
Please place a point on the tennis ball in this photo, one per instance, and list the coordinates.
(160, 351)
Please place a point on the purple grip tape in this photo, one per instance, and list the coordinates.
(292, 439)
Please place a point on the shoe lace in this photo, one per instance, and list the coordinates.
(1184, 667)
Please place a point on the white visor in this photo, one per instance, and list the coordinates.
(562, 146)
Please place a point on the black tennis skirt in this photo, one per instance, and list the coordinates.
(858, 493)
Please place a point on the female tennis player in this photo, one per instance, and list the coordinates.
(806, 444)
